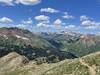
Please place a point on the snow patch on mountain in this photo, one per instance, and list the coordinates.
(20, 37)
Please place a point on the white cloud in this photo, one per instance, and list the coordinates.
(24, 2)
(41, 24)
(43, 21)
(7, 2)
(84, 18)
(49, 10)
(86, 21)
(67, 16)
(70, 26)
(5, 20)
(21, 25)
(89, 23)
(27, 2)
(29, 21)
(58, 23)
(42, 18)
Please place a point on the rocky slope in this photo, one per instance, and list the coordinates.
(15, 64)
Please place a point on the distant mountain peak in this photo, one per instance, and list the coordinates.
(87, 37)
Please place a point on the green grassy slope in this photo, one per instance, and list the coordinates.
(87, 65)
(77, 44)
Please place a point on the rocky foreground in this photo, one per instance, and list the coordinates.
(15, 64)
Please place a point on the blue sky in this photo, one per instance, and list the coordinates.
(51, 15)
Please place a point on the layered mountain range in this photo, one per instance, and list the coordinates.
(29, 52)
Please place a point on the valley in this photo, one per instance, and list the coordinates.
(26, 53)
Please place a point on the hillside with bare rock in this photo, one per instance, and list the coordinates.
(23, 52)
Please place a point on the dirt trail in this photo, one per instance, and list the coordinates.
(91, 69)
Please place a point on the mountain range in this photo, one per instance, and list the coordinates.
(23, 52)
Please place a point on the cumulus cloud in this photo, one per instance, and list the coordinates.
(88, 23)
(58, 23)
(42, 18)
(24, 2)
(67, 16)
(28, 2)
(5, 20)
(49, 10)
(43, 21)
(43, 25)
(29, 21)
(21, 25)
(7, 2)
(84, 18)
